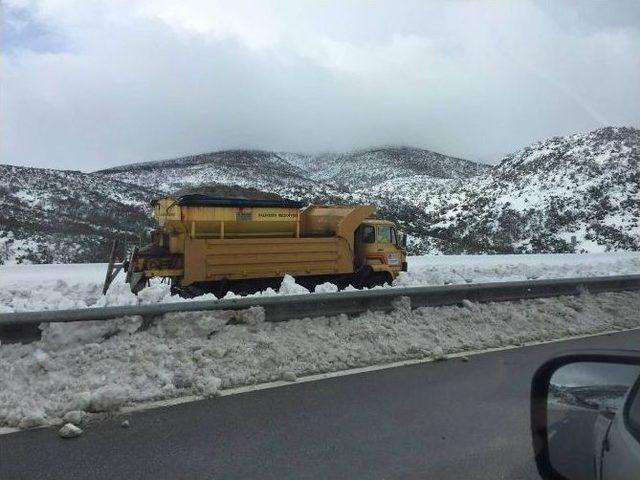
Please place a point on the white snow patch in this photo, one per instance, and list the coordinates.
(107, 398)
(69, 430)
(74, 416)
(290, 287)
(455, 269)
(326, 288)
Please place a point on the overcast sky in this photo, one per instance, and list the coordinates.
(90, 84)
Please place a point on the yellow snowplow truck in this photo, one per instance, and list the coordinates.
(211, 244)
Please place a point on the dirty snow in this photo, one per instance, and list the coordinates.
(69, 430)
(59, 287)
(101, 366)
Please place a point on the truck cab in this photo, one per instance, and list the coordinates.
(384, 248)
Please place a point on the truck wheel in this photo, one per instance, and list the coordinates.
(362, 279)
(191, 291)
(379, 279)
(222, 289)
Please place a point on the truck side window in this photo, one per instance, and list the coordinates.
(384, 234)
(394, 239)
(369, 235)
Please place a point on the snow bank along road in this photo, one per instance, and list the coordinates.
(443, 420)
(93, 367)
(59, 287)
(287, 307)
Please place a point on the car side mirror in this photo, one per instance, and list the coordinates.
(579, 402)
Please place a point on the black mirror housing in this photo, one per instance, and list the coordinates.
(541, 386)
(403, 240)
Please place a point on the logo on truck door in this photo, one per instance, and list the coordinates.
(393, 259)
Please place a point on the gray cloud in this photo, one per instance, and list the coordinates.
(133, 81)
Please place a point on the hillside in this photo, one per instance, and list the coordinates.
(262, 170)
(566, 194)
(367, 168)
(55, 216)
(575, 193)
(293, 174)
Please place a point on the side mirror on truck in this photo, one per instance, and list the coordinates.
(403, 240)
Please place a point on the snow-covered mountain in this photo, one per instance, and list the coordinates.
(367, 168)
(566, 194)
(57, 216)
(296, 175)
(574, 193)
(267, 171)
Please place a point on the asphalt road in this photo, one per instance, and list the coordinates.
(445, 420)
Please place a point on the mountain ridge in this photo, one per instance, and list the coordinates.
(564, 194)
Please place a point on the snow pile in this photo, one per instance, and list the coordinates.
(325, 288)
(101, 366)
(59, 287)
(290, 287)
(69, 430)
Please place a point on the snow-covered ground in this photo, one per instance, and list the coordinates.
(447, 269)
(101, 366)
(56, 287)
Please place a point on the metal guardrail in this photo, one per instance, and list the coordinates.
(280, 308)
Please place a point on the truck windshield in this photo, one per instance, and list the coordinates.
(384, 234)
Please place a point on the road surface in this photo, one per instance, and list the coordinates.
(445, 420)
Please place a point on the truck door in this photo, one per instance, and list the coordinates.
(359, 254)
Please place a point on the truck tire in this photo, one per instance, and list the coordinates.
(379, 279)
(362, 278)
